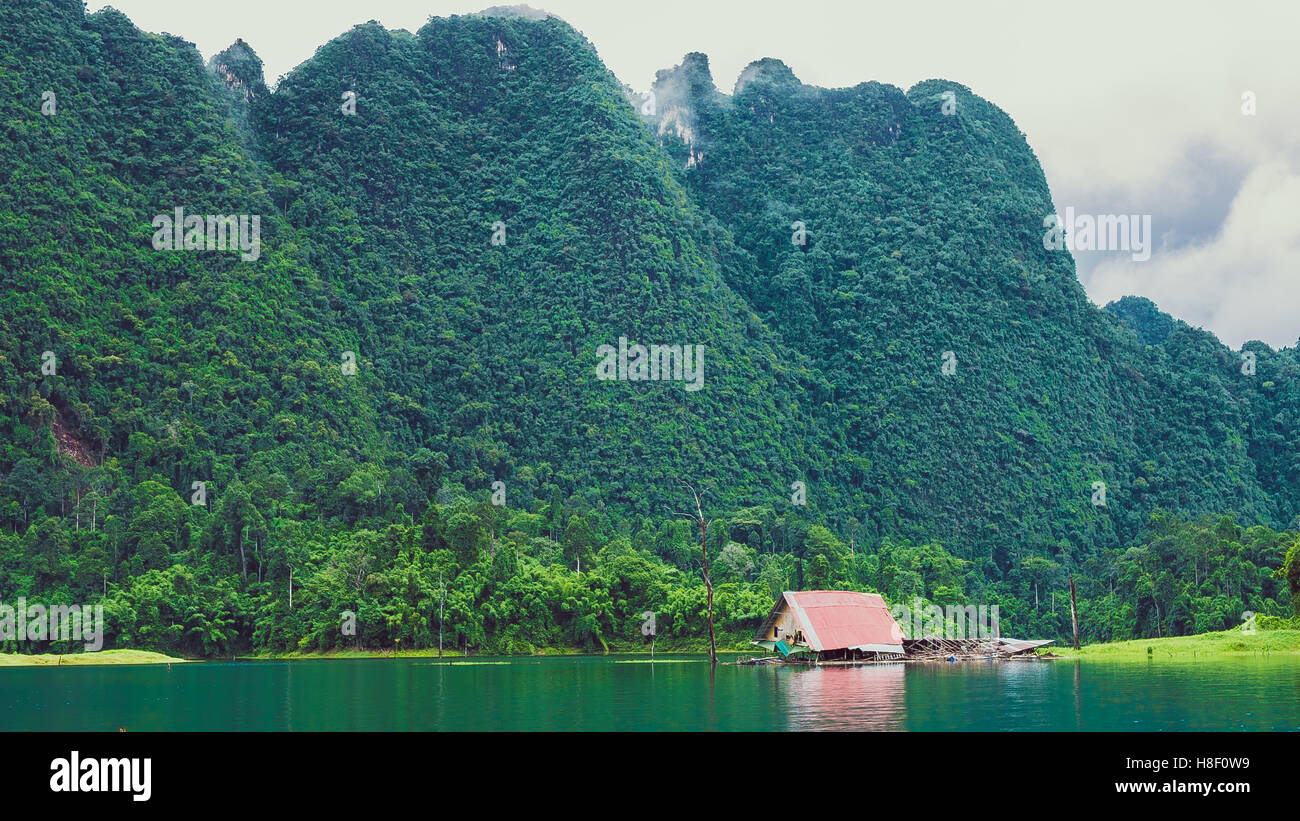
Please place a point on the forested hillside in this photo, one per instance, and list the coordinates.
(924, 235)
(394, 398)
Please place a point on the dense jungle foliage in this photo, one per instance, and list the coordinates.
(229, 453)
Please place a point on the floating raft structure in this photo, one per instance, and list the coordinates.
(933, 648)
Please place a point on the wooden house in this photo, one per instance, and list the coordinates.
(831, 625)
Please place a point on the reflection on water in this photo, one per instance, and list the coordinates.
(871, 697)
(681, 693)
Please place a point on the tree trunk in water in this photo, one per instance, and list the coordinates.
(698, 518)
(708, 585)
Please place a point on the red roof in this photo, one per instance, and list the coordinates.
(839, 619)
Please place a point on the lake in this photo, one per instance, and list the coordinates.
(674, 693)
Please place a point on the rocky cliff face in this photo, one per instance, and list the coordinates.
(240, 69)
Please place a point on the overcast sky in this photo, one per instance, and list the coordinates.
(1133, 108)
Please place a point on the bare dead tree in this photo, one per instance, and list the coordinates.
(698, 518)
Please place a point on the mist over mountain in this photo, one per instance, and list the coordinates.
(889, 382)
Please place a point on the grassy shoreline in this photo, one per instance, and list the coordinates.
(101, 658)
(1226, 644)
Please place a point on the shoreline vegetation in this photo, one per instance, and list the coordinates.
(1224, 644)
(461, 658)
(676, 647)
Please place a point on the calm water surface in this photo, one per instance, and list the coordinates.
(1257, 693)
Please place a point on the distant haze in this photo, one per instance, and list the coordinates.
(1132, 108)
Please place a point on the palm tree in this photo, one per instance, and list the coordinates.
(213, 634)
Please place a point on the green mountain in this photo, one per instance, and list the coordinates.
(923, 242)
(436, 239)
(488, 352)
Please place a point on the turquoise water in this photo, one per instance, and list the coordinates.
(604, 693)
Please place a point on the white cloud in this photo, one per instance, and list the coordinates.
(1245, 280)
